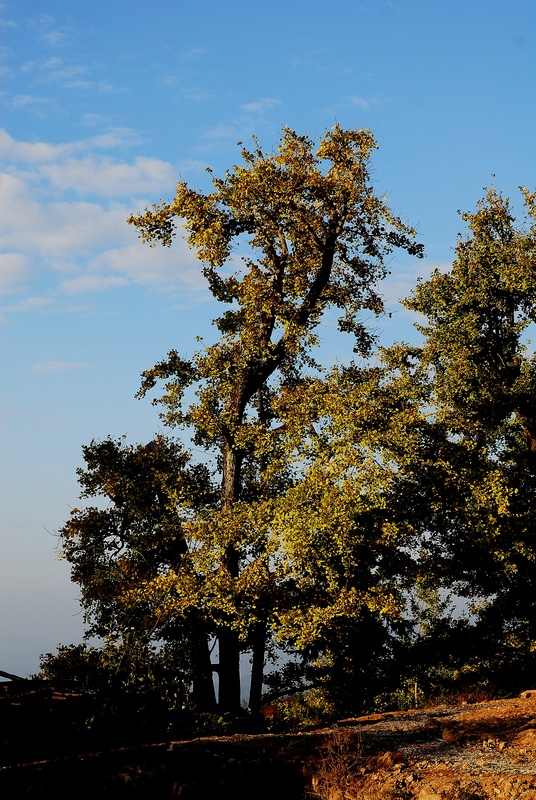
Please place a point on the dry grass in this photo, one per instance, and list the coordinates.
(340, 760)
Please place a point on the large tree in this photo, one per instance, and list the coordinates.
(317, 236)
(283, 238)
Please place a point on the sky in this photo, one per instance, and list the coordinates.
(104, 107)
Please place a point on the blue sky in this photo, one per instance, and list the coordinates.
(105, 106)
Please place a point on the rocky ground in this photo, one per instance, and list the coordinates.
(476, 751)
(467, 752)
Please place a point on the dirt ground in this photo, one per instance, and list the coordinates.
(481, 751)
(467, 752)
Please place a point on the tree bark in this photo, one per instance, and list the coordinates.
(228, 641)
(229, 671)
(204, 696)
(257, 666)
(261, 627)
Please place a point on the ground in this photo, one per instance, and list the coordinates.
(479, 751)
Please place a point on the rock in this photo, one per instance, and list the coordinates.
(385, 761)
(451, 733)
(526, 739)
(428, 793)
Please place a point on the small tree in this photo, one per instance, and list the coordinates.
(151, 491)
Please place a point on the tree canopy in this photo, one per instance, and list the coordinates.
(336, 508)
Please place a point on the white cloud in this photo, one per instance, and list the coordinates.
(193, 52)
(360, 102)
(365, 103)
(28, 305)
(56, 229)
(105, 177)
(166, 268)
(63, 224)
(191, 166)
(34, 152)
(402, 282)
(58, 366)
(115, 137)
(90, 120)
(57, 70)
(92, 283)
(14, 270)
(221, 132)
(53, 38)
(196, 94)
(265, 104)
(29, 100)
(29, 152)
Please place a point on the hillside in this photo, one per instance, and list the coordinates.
(467, 752)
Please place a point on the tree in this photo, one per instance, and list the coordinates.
(317, 237)
(481, 377)
(329, 501)
(134, 691)
(150, 491)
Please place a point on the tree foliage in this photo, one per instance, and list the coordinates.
(336, 510)
(481, 377)
(253, 564)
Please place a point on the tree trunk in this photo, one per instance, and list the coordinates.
(261, 627)
(229, 671)
(257, 666)
(228, 641)
(204, 696)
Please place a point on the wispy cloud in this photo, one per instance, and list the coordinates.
(29, 101)
(91, 120)
(221, 131)
(192, 53)
(115, 137)
(58, 366)
(360, 102)
(92, 283)
(164, 268)
(63, 221)
(18, 152)
(29, 304)
(14, 271)
(107, 177)
(248, 120)
(6, 24)
(402, 282)
(49, 32)
(53, 38)
(178, 83)
(365, 103)
(56, 70)
(260, 106)
(52, 229)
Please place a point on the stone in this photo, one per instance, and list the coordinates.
(526, 739)
(428, 793)
(451, 734)
(385, 761)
